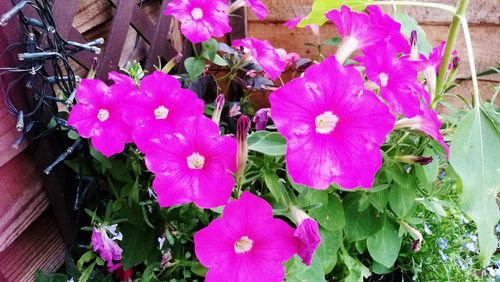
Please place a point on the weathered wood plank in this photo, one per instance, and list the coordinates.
(479, 11)
(23, 197)
(40, 247)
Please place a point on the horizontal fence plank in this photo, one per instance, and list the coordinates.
(23, 198)
(40, 247)
(479, 11)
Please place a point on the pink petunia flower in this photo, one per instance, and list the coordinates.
(98, 116)
(357, 31)
(308, 234)
(258, 8)
(394, 78)
(428, 123)
(107, 248)
(392, 29)
(332, 125)
(265, 55)
(246, 243)
(200, 19)
(293, 23)
(161, 105)
(193, 165)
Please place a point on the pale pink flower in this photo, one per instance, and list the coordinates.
(308, 234)
(246, 243)
(99, 116)
(428, 123)
(332, 125)
(107, 248)
(265, 55)
(161, 105)
(258, 8)
(193, 165)
(200, 19)
(235, 110)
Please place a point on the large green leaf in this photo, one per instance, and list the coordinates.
(331, 215)
(408, 24)
(360, 225)
(326, 253)
(269, 143)
(320, 7)
(194, 66)
(403, 192)
(475, 156)
(384, 245)
(297, 271)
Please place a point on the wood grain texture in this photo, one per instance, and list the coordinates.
(40, 247)
(23, 198)
(479, 11)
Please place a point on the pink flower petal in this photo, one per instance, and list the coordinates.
(265, 55)
(258, 8)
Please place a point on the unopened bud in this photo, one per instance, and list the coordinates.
(20, 121)
(242, 128)
(416, 235)
(260, 119)
(414, 55)
(219, 105)
(411, 159)
(455, 62)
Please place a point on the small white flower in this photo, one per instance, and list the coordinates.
(161, 241)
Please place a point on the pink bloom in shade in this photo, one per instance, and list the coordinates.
(260, 119)
(291, 59)
(332, 125)
(265, 55)
(161, 105)
(246, 243)
(357, 31)
(258, 8)
(235, 110)
(428, 123)
(193, 165)
(98, 116)
(394, 78)
(392, 29)
(200, 19)
(291, 24)
(308, 234)
(106, 247)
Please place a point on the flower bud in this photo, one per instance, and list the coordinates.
(93, 68)
(416, 235)
(414, 55)
(242, 128)
(219, 105)
(411, 159)
(455, 62)
(307, 233)
(260, 119)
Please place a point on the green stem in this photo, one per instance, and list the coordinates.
(450, 45)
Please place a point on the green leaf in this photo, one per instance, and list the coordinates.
(41, 276)
(86, 273)
(218, 60)
(331, 215)
(384, 245)
(334, 41)
(475, 155)
(360, 225)
(402, 193)
(357, 270)
(297, 271)
(426, 174)
(199, 269)
(269, 143)
(320, 7)
(276, 187)
(194, 66)
(408, 24)
(380, 269)
(86, 257)
(209, 49)
(326, 253)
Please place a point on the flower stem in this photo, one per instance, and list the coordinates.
(450, 45)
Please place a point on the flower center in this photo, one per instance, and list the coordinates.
(384, 78)
(195, 161)
(103, 115)
(326, 122)
(161, 112)
(197, 13)
(243, 245)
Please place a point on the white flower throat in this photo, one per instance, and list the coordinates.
(103, 115)
(243, 245)
(197, 13)
(326, 122)
(161, 112)
(195, 161)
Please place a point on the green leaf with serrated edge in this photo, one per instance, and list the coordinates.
(320, 7)
(384, 245)
(475, 155)
(269, 143)
(359, 225)
(209, 48)
(330, 215)
(408, 24)
(194, 66)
